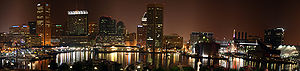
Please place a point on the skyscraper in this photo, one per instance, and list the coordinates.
(43, 27)
(154, 26)
(33, 39)
(111, 32)
(77, 23)
(107, 30)
(32, 28)
(274, 37)
(121, 32)
(142, 32)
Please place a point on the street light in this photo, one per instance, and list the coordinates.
(138, 66)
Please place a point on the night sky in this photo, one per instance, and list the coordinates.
(180, 16)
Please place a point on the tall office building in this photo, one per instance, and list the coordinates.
(142, 32)
(154, 26)
(141, 36)
(121, 32)
(43, 27)
(111, 32)
(107, 30)
(32, 28)
(33, 39)
(77, 23)
(274, 37)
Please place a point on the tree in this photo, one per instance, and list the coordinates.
(53, 65)
(78, 66)
(64, 67)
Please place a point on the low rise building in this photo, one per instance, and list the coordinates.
(173, 41)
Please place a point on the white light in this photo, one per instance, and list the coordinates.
(77, 12)
(48, 66)
(38, 4)
(144, 19)
(95, 68)
(149, 39)
(204, 55)
(138, 66)
(112, 47)
(280, 29)
(140, 25)
(249, 43)
(71, 67)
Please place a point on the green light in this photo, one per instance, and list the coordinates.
(58, 25)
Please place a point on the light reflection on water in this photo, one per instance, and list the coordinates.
(126, 58)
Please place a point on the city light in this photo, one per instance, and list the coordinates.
(77, 12)
(155, 36)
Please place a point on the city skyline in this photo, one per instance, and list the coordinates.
(149, 35)
(219, 17)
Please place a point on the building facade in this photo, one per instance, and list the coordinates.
(111, 32)
(207, 49)
(274, 37)
(77, 23)
(142, 32)
(121, 33)
(199, 37)
(93, 29)
(58, 30)
(130, 39)
(75, 41)
(19, 36)
(32, 28)
(43, 27)
(19, 30)
(107, 31)
(154, 27)
(173, 41)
